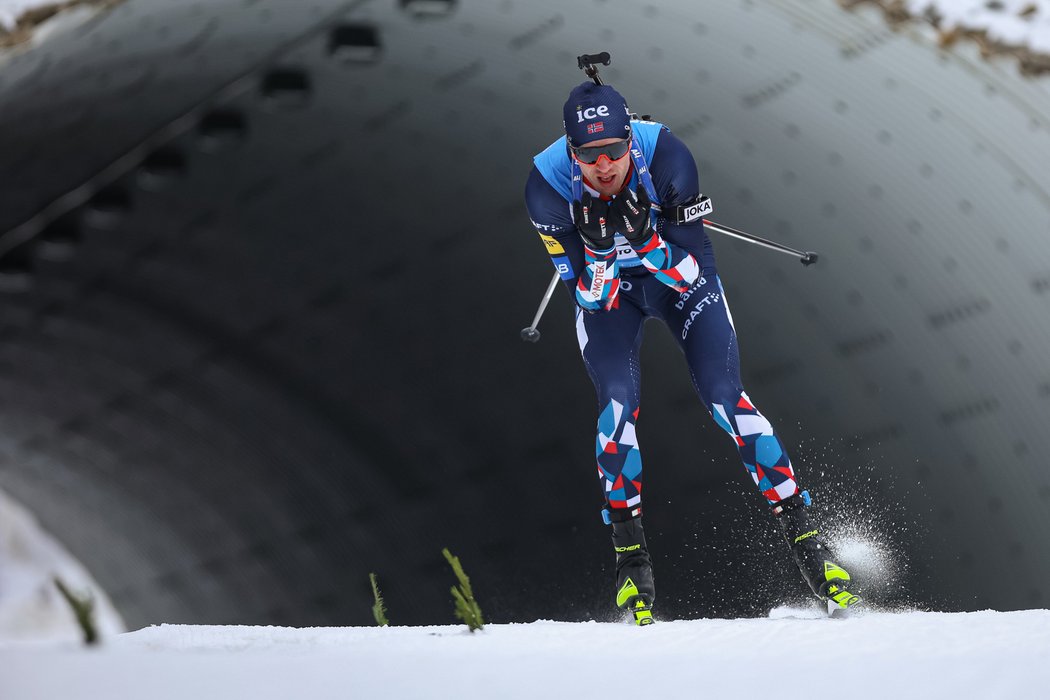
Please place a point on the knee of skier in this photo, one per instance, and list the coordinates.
(725, 394)
(617, 404)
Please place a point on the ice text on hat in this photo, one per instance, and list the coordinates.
(591, 113)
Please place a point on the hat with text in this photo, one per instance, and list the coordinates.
(595, 112)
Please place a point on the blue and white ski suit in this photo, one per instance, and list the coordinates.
(670, 276)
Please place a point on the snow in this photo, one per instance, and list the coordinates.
(57, 25)
(794, 654)
(30, 605)
(10, 10)
(1012, 22)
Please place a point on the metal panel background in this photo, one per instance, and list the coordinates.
(275, 347)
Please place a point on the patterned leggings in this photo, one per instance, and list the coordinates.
(701, 322)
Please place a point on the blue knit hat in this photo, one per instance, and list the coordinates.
(595, 112)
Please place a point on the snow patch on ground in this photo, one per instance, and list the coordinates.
(11, 10)
(1016, 22)
(1018, 28)
(31, 607)
(793, 654)
(19, 31)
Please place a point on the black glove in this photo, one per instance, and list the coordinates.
(592, 219)
(630, 215)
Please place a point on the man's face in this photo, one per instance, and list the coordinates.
(605, 175)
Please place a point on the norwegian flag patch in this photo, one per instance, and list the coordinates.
(595, 127)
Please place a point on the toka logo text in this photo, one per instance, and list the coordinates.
(697, 210)
(591, 113)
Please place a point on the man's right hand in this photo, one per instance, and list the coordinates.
(592, 220)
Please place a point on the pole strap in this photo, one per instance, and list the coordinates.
(693, 210)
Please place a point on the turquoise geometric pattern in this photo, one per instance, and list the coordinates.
(763, 454)
(619, 459)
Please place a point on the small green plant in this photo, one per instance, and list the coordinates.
(379, 607)
(467, 609)
(83, 606)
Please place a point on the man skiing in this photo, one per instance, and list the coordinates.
(616, 203)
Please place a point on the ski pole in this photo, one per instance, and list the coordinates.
(531, 334)
(806, 258)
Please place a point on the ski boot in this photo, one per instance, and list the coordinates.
(829, 581)
(635, 588)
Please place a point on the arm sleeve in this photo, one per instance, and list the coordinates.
(550, 216)
(676, 182)
(592, 277)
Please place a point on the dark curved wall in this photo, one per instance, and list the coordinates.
(263, 280)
